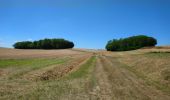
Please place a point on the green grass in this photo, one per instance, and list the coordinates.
(158, 54)
(76, 83)
(23, 66)
(34, 63)
(84, 69)
(69, 87)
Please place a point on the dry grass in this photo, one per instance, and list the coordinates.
(20, 54)
(129, 85)
(41, 74)
(151, 62)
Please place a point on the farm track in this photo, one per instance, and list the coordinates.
(126, 85)
(102, 90)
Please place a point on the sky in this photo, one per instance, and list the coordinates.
(88, 23)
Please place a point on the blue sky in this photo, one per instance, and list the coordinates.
(88, 23)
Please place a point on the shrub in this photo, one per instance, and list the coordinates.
(130, 43)
(45, 44)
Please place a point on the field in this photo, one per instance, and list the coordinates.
(79, 74)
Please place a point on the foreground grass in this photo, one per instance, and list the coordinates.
(153, 67)
(84, 69)
(73, 86)
(163, 87)
(14, 68)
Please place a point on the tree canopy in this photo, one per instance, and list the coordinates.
(130, 43)
(45, 44)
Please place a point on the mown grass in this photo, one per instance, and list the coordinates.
(84, 69)
(148, 80)
(166, 74)
(158, 54)
(74, 84)
(71, 87)
(22, 66)
(35, 63)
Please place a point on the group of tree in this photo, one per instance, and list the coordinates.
(130, 43)
(45, 44)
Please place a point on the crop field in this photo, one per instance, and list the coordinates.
(78, 74)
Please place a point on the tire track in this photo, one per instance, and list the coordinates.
(102, 91)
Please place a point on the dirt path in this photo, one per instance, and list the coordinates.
(102, 91)
(126, 85)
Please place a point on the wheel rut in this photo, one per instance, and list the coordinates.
(102, 90)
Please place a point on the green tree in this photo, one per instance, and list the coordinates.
(45, 44)
(130, 43)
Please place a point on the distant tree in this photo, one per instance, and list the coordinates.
(23, 45)
(130, 43)
(45, 44)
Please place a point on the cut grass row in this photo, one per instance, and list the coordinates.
(130, 84)
(84, 69)
(15, 68)
(143, 66)
(165, 88)
(72, 86)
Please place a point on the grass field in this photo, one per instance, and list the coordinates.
(80, 74)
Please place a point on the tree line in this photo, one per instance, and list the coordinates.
(44, 44)
(130, 43)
